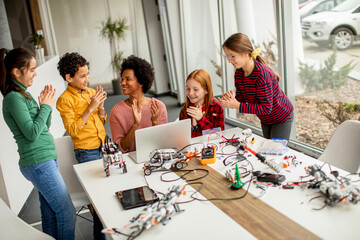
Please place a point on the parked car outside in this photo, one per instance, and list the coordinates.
(339, 26)
(303, 3)
(318, 6)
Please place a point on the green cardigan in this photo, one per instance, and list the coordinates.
(30, 126)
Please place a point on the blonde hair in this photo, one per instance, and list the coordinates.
(202, 77)
(241, 43)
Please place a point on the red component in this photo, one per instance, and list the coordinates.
(250, 150)
(267, 183)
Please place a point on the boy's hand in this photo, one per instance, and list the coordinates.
(97, 99)
(47, 96)
(101, 91)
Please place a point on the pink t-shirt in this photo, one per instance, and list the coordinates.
(122, 119)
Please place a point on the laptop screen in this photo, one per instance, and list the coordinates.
(170, 135)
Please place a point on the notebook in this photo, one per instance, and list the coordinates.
(170, 135)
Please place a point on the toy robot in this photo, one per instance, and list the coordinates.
(112, 156)
(335, 191)
(157, 212)
(164, 158)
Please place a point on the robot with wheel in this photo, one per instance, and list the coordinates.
(164, 158)
(112, 156)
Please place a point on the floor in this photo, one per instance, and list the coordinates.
(30, 212)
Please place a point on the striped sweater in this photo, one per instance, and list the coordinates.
(260, 94)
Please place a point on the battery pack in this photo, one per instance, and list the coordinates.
(208, 155)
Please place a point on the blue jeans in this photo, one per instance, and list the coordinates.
(87, 155)
(58, 214)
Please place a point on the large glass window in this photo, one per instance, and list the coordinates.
(256, 19)
(328, 73)
(316, 54)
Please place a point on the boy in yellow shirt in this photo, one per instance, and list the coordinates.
(83, 114)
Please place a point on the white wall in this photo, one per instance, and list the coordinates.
(202, 40)
(77, 29)
(14, 188)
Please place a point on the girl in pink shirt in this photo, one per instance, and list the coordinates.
(137, 111)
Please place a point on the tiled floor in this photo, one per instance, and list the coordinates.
(30, 213)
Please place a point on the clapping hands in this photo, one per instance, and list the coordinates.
(47, 96)
(136, 111)
(98, 99)
(195, 113)
(229, 101)
(154, 112)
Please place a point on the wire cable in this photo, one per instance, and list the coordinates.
(186, 172)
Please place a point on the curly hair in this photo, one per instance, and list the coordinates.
(69, 64)
(143, 71)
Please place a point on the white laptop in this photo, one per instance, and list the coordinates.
(170, 135)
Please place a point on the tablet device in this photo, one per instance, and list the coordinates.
(136, 197)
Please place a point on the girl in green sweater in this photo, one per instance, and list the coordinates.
(30, 125)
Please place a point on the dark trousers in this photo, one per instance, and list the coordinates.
(278, 130)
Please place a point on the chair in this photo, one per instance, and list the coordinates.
(66, 160)
(343, 149)
(13, 227)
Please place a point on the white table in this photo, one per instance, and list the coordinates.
(200, 220)
(203, 220)
(338, 222)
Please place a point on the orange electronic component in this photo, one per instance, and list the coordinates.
(191, 154)
(286, 164)
(208, 155)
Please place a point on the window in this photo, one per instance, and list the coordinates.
(328, 89)
(257, 20)
(322, 84)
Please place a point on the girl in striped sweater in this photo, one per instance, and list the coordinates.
(257, 88)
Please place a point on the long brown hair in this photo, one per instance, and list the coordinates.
(240, 43)
(17, 58)
(202, 77)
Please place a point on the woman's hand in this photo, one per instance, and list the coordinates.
(229, 101)
(154, 112)
(136, 112)
(47, 96)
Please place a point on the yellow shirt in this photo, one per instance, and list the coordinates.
(72, 105)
